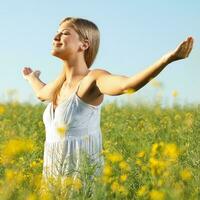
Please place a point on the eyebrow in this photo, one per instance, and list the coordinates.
(65, 29)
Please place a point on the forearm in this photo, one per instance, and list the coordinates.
(45, 91)
(139, 80)
(36, 84)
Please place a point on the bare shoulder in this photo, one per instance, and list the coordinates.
(95, 73)
(90, 83)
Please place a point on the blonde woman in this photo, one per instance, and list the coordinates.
(72, 117)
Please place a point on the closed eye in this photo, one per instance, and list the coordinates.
(64, 32)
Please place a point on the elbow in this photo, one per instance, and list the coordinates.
(125, 85)
(43, 96)
(128, 86)
(39, 96)
(41, 99)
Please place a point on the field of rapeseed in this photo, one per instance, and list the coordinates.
(150, 153)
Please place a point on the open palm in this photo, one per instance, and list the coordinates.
(27, 72)
(183, 50)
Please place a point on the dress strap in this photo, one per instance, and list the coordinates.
(78, 85)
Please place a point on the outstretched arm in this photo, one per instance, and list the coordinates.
(42, 90)
(117, 85)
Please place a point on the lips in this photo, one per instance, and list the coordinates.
(57, 44)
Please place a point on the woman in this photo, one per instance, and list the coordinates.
(72, 117)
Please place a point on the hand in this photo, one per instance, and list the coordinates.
(182, 51)
(27, 72)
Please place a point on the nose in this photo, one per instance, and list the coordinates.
(57, 37)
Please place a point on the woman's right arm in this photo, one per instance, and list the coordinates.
(43, 91)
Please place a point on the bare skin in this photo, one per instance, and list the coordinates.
(66, 46)
(97, 82)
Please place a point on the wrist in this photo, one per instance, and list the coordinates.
(168, 58)
(31, 77)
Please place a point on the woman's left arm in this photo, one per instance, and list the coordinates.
(117, 85)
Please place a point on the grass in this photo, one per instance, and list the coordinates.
(150, 153)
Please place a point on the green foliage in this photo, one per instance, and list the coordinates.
(141, 134)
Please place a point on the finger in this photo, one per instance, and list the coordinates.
(30, 69)
(26, 72)
(190, 38)
(180, 46)
(187, 45)
(190, 48)
(188, 52)
(190, 44)
(25, 69)
(183, 44)
(37, 73)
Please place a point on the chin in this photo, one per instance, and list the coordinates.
(54, 53)
(57, 54)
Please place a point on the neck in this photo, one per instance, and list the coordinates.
(74, 70)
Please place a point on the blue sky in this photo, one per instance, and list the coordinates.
(134, 34)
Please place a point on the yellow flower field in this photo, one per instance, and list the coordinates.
(150, 152)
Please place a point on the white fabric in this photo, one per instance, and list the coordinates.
(62, 153)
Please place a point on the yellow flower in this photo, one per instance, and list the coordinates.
(129, 91)
(154, 149)
(156, 195)
(124, 165)
(142, 190)
(19, 177)
(37, 180)
(2, 109)
(123, 177)
(171, 151)
(77, 184)
(15, 146)
(106, 179)
(115, 157)
(62, 128)
(45, 194)
(186, 174)
(107, 170)
(115, 186)
(9, 174)
(104, 152)
(175, 93)
(141, 154)
(123, 190)
(41, 160)
(33, 164)
(157, 166)
(68, 181)
(138, 162)
(161, 144)
(31, 196)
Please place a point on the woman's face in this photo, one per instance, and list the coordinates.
(66, 42)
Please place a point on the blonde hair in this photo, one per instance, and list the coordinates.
(86, 30)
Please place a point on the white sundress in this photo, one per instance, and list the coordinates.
(62, 153)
